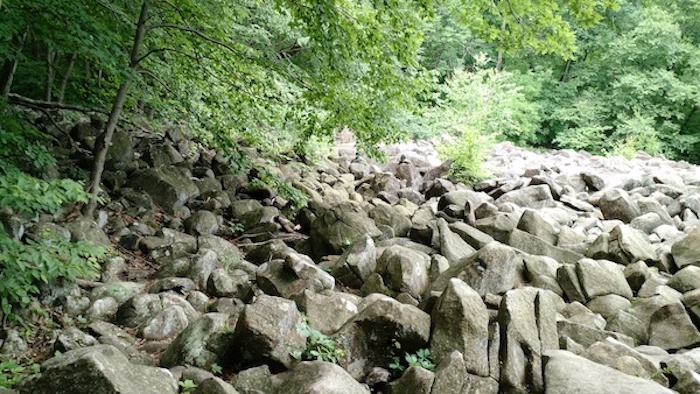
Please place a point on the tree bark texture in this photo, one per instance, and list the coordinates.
(102, 146)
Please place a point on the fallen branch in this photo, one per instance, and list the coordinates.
(40, 104)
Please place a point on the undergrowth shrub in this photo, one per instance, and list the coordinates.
(24, 265)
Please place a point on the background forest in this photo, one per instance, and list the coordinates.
(610, 77)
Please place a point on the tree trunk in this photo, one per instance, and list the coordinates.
(66, 76)
(499, 60)
(51, 59)
(565, 75)
(10, 68)
(102, 146)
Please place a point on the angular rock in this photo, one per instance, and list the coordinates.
(602, 277)
(202, 222)
(531, 244)
(497, 226)
(452, 246)
(368, 336)
(628, 245)
(404, 270)
(608, 351)
(527, 318)
(617, 204)
(566, 373)
(529, 197)
(190, 346)
(474, 237)
(687, 279)
(357, 262)
(170, 187)
(214, 386)
(414, 380)
(586, 335)
(460, 322)
(265, 333)
(101, 369)
(533, 223)
(494, 269)
(450, 374)
(670, 327)
(167, 323)
(686, 251)
(328, 311)
(569, 283)
(317, 377)
(387, 215)
(608, 305)
(338, 227)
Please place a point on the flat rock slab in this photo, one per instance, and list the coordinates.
(316, 377)
(101, 369)
(567, 373)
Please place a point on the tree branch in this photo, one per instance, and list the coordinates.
(40, 104)
(160, 81)
(195, 32)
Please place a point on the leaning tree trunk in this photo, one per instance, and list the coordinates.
(66, 76)
(105, 139)
(51, 59)
(11, 66)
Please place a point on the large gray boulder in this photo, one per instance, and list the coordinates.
(169, 186)
(357, 262)
(318, 377)
(369, 337)
(191, 346)
(404, 270)
(495, 269)
(527, 317)
(415, 379)
(670, 327)
(460, 322)
(328, 311)
(452, 246)
(290, 277)
(450, 374)
(686, 251)
(602, 277)
(338, 227)
(628, 245)
(266, 332)
(531, 244)
(617, 204)
(566, 373)
(610, 351)
(529, 197)
(101, 369)
(534, 223)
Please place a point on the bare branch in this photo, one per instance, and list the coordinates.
(196, 32)
(40, 104)
(160, 81)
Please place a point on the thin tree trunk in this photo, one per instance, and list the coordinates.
(51, 59)
(499, 60)
(565, 75)
(105, 141)
(66, 77)
(12, 67)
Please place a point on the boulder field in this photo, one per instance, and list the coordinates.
(561, 273)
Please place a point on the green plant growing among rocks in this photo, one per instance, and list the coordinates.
(187, 386)
(421, 358)
(26, 265)
(319, 347)
(12, 372)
